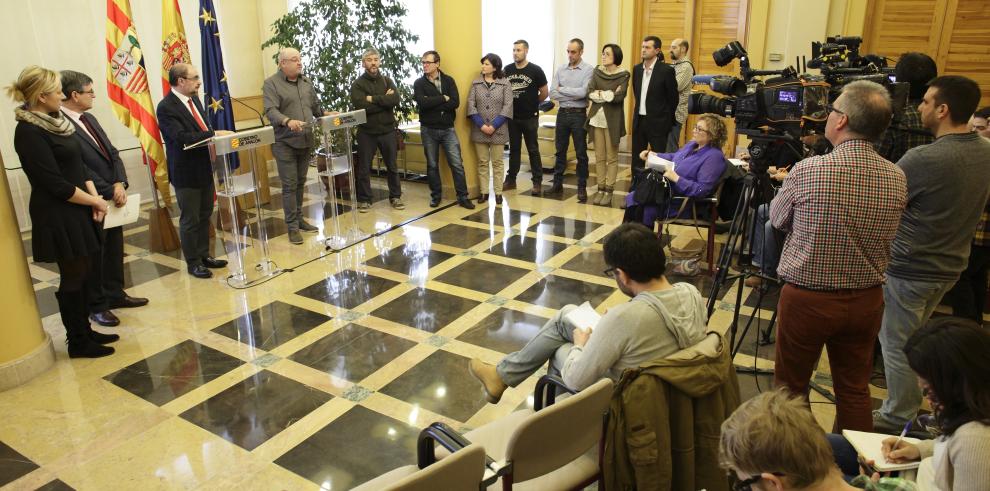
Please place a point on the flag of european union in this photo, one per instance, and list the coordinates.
(216, 93)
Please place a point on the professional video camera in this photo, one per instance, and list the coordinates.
(840, 63)
(776, 110)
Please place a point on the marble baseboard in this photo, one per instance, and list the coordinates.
(29, 366)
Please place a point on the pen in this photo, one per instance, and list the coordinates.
(907, 428)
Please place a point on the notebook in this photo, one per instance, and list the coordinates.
(870, 445)
(583, 317)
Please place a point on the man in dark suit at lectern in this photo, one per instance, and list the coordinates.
(105, 284)
(655, 88)
(183, 121)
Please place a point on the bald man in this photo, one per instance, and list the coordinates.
(290, 103)
(683, 71)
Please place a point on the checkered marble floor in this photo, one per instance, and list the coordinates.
(321, 377)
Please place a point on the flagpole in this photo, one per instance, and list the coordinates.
(151, 178)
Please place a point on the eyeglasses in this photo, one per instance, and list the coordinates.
(701, 130)
(747, 484)
(831, 108)
(610, 272)
(428, 62)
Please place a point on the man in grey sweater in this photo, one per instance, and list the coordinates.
(948, 184)
(660, 320)
(290, 103)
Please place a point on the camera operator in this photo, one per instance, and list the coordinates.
(948, 185)
(907, 132)
(840, 212)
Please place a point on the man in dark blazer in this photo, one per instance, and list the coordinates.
(183, 121)
(105, 284)
(655, 90)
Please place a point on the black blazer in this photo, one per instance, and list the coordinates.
(103, 170)
(661, 96)
(434, 111)
(186, 168)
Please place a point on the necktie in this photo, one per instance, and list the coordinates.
(195, 114)
(84, 118)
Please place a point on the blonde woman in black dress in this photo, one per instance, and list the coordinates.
(64, 205)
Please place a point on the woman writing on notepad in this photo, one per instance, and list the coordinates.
(950, 357)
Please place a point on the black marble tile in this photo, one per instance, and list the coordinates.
(319, 212)
(56, 485)
(256, 409)
(501, 216)
(751, 343)
(13, 465)
(460, 236)
(572, 179)
(504, 330)
(47, 303)
(170, 373)
(524, 248)
(482, 276)
(142, 270)
(272, 325)
(356, 447)
(769, 300)
(590, 261)
(347, 289)
(441, 384)
(352, 352)
(408, 260)
(565, 227)
(567, 194)
(557, 291)
(274, 227)
(425, 309)
(142, 240)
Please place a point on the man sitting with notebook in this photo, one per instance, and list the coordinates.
(661, 319)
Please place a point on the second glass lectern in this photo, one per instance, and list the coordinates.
(247, 246)
(337, 147)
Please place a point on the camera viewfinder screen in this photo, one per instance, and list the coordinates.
(789, 96)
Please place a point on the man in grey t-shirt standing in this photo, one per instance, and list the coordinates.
(948, 183)
(291, 103)
(683, 71)
(660, 320)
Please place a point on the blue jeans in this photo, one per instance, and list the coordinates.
(571, 124)
(766, 254)
(908, 304)
(673, 137)
(433, 139)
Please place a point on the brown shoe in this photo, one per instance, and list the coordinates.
(537, 189)
(488, 376)
(508, 185)
(753, 282)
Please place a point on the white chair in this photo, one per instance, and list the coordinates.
(553, 447)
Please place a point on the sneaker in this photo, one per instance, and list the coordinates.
(295, 237)
(364, 207)
(509, 185)
(397, 203)
(490, 381)
(306, 226)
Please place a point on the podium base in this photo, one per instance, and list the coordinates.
(240, 279)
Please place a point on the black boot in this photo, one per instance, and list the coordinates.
(72, 309)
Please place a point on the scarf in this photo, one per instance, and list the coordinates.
(53, 124)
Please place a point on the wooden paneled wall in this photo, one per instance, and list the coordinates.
(707, 25)
(953, 32)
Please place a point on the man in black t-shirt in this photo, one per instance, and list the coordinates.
(529, 88)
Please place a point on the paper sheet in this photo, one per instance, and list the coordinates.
(124, 215)
(583, 317)
(869, 445)
(653, 161)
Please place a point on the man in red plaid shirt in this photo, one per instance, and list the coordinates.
(840, 211)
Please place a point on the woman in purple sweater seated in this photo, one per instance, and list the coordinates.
(698, 165)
